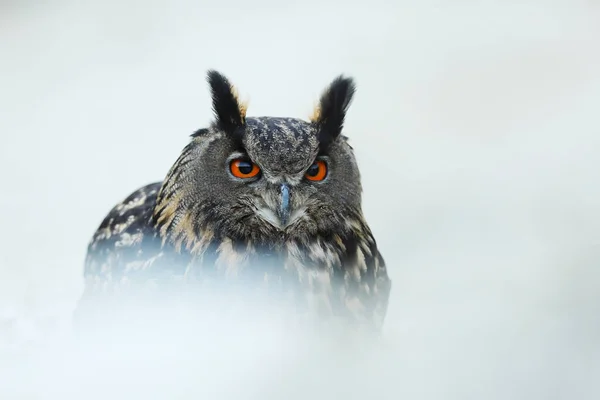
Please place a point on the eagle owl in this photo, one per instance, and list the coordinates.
(268, 201)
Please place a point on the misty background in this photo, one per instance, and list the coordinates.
(476, 127)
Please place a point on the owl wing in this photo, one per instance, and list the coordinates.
(381, 286)
(366, 280)
(126, 247)
(121, 241)
(126, 251)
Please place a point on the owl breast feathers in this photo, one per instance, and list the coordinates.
(271, 202)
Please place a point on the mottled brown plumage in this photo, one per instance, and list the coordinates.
(281, 230)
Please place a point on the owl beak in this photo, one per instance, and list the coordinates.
(280, 214)
(283, 211)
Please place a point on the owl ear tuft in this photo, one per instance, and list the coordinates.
(330, 112)
(230, 114)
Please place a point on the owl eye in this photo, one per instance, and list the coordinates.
(317, 171)
(244, 169)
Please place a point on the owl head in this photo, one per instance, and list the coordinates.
(263, 179)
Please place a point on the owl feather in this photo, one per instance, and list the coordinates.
(274, 203)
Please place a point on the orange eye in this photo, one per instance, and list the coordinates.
(317, 171)
(244, 169)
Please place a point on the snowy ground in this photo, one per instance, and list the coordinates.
(477, 130)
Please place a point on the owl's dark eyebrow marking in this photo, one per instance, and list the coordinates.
(323, 151)
(237, 137)
(239, 148)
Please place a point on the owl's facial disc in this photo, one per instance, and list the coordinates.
(284, 199)
(283, 212)
(277, 208)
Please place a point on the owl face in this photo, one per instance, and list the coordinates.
(266, 178)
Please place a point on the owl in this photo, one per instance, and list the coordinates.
(270, 202)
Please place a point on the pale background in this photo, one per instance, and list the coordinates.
(476, 125)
